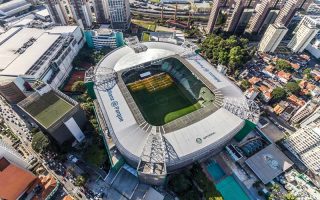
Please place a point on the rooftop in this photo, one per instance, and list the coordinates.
(14, 181)
(269, 163)
(21, 48)
(47, 108)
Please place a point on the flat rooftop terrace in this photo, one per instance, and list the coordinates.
(48, 108)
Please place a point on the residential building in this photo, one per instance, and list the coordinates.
(305, 144)
(217, 5)
(251, 93)
(67, 118)
(34, 54)
(12, 155)
(119, 14)
(304, 112)
(314, 117)
(82, 13)
(289, 9)
(314, 47)
(272, 38)
(268, 70)
(58, 12)
(305, 32)
(104, 37)
(260, 15)
(265, 93)
(296, 101)
(101, 11)
(283, 76)
(253, 80)
(238, 14)
(14, 180)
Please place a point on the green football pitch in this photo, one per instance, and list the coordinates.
(163, 106)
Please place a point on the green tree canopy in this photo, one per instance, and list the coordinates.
(292, 87)
(245, 84)
(283, 65)
(40, 142)
(80, 181)
(278, 94)
(78, 86)
(307, 73)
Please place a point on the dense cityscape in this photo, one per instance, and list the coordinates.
(159, 99)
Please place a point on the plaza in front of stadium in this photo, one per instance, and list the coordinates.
(162, 107)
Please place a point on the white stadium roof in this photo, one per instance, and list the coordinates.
(186, 143)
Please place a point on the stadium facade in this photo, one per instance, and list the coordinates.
(156, 149)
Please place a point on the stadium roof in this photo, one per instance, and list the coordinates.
(185, 142)
(14, 181)
(31, 42)
(269, 163)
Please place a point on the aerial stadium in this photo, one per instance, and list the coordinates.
(162, 107)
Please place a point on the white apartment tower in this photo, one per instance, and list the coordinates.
(305, 144)
(304, 33)
(119, 14)
(272, 37)
(101, 10)
(304, 112)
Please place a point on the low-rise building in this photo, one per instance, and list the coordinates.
(265, 93)
(14, 180)
(254, 80)
(296, 101)
(104, 38)
(269, 70)
(283, 76)
(251, 93)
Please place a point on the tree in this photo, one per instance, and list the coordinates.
(245, 84)
(283, 65)
(40, 142)
(80, 181)
(307, 73)
(78, 86)
(180, 183)
(292, 87)
(278, 94)
(289, 196)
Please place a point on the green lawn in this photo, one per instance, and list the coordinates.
(155, 1)
(156, 105)
(48, 108)
(179, 113)
(149, 25)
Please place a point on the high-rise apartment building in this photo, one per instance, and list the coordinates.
(314, 117)
(262, 13)
(215, 11)
(304, 33)
(289, 9)
(101, 11)
(82, 13)
(57, 11)
(304, 112)
(305, 144)
(119, 14)
(272, 37)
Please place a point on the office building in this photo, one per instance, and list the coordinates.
(214, 14)
(305, 144)
(289, 9)
(81, 13)
(119, 14)
(58, 12)
(104, 38)
(56, 114)
(31, 54)
(304, 33)
(304, 112)
(272, 38)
